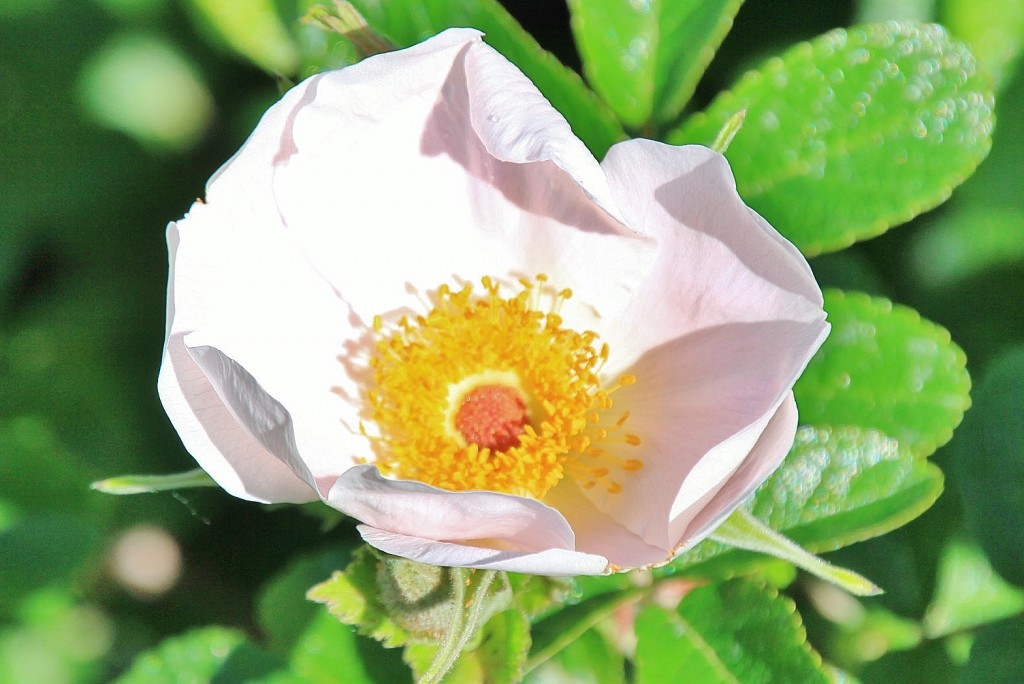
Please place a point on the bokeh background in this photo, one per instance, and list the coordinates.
(113, 113)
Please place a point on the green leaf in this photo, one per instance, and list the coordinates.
(968, 593)
(884, 367)
(855, 132)
(990, 467)
(352, 596)
(645, 58)
(407, 22)
(40, 549)
(203, 655)
(556, 632)
(667, 650)
(836, 487)
(589, 659)
(252, 29)
(967, 242)
(329, 651)
(732, 632)
(994, 29)
(534, 595)
(744, 531)
(282, 609)
(996, 654)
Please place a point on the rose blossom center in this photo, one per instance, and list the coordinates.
(492, 417)
(489, 391)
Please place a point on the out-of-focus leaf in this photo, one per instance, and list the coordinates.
(996, 655)
(729, 632)
(855, 132)
(886, 368)
(40, 549)
(994, 29)
(969, 593)
(56, 639)
(589, 659)
(204, 655)
(252, 29)
(559, 630)
(145, 87)
(990, 465)
(645, 58)
(967, 243)
(283, 610)
(836, 487)
(407, 22)
(329, 651)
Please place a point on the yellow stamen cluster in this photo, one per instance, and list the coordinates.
(424, 368)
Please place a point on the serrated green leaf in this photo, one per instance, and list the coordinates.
(855, 132)
(534, 595)
(352, 596)
(203, 655)
(884, 367)
(645, 59)
(836, 487)
(668, 651)
(735, 632)
(407, 22)
(968, 593)
(990, 466)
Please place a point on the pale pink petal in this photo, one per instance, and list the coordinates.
(600, 534)
(718, 262)
(218, 441)
(699, 405)
(551, 562)
(443, 163)
(238, 284)
(473, 517)
(696, 523)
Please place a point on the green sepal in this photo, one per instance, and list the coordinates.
(150, 484)
(744, 531)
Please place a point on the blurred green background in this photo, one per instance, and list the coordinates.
(114, 113)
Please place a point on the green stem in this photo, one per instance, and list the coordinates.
(465, 621)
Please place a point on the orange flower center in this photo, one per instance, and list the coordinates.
(492, 392)
(492, 417)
